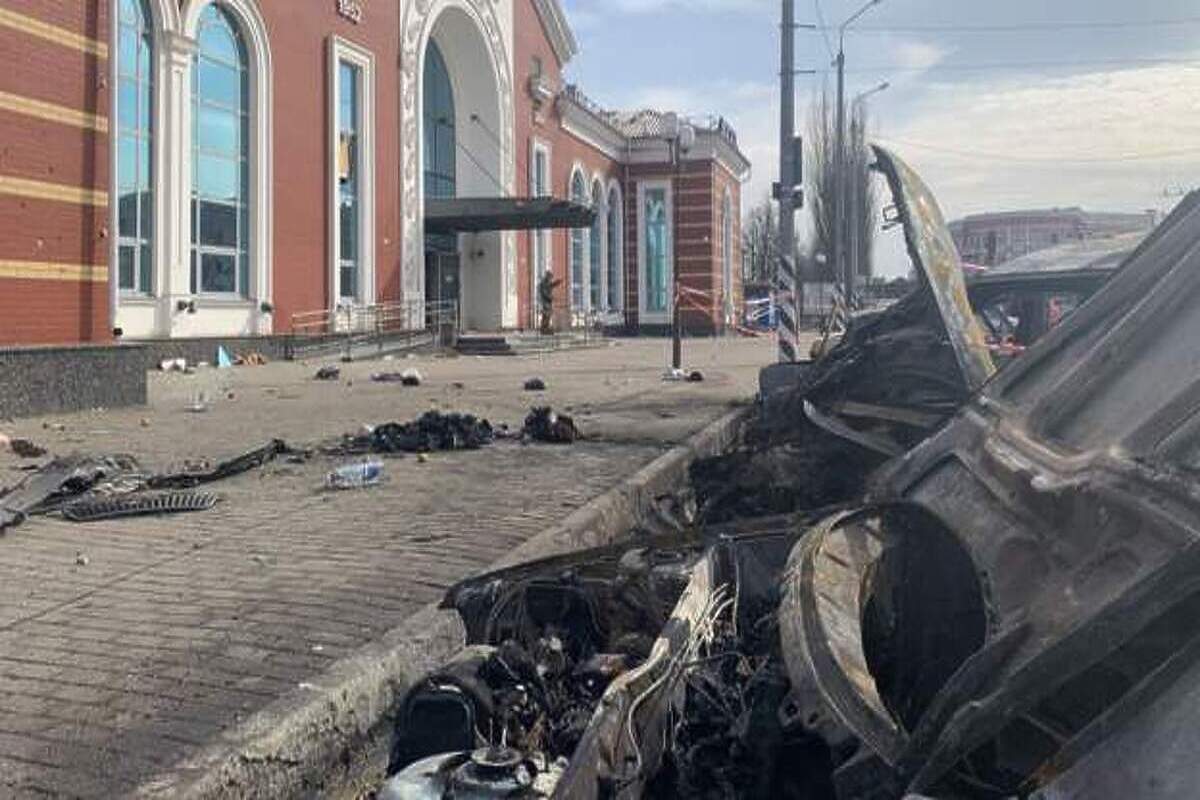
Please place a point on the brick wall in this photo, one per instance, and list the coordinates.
(54, 172)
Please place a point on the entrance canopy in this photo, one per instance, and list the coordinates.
(475, 214)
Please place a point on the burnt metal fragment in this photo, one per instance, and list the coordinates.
(138, 504)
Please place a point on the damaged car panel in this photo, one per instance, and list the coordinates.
(1029, 566)
(933, 253)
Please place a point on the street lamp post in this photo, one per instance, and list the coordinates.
(856, 200)
(681, 136)
(839, 223)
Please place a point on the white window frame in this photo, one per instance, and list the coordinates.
(253, 313)
(596, 189)
(585, 268)
(645, 316)
(614, 189)
(340, 50)
(540, 238)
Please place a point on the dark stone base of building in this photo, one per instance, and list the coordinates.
(49, 380)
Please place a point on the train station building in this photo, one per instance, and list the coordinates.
(215, 168)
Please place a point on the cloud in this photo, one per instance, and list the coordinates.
(1106, 140)
(913, 56)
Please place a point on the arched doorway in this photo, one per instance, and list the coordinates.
(462, 155)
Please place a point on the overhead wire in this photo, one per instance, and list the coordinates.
(1066, 159)
(1027, 27)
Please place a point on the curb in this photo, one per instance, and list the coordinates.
(318, 739)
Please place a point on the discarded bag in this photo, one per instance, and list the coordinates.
(543, 424)
(535, 385)
(328, 373)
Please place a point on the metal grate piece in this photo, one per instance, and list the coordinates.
(137, 505)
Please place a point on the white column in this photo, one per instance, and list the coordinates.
(176, 183)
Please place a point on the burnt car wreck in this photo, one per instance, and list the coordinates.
(930, 570)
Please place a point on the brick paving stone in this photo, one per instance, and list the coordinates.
(179, 628)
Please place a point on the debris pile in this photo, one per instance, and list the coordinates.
(544, 424)
(433, 431)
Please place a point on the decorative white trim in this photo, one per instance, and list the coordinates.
(254, 31)
(542, 236)
(587, 128)
(340, 50)
(415, 31)
(558, 29)
(656, 316)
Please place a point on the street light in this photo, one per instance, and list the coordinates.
(859, 98)
(681, 137)
(839, 227)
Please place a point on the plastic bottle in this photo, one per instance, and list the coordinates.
(355, 476)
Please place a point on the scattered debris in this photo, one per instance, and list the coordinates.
(543, 424)
(355, 476)
(144, 422)
(24, 448)
(328, 373)
(409, 377)
(189, 478)
(173, 365)
(535, 385)
(430, 432)
(81, 560)
(137, 505)
(250, 359)
(199, 403)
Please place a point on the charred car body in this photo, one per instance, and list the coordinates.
(985, 584)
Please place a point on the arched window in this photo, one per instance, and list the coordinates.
(615, 264)
(578, 195)
(220, 157)
(596, 250)
(135, 138)
(440, 175)
(727, 255)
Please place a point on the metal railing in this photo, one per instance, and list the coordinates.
(349, 327)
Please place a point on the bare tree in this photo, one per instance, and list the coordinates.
(760, 242)
(822, 197)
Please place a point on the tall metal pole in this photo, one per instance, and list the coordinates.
(676, 310)
(786, 281)
(840, 263)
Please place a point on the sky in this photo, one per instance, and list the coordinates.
(998, 105)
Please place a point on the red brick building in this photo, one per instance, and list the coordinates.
(190, 168)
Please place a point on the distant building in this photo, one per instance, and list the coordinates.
(994, 238)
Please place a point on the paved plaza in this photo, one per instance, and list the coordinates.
(125, 646)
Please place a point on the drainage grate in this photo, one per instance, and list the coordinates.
(137, 505)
